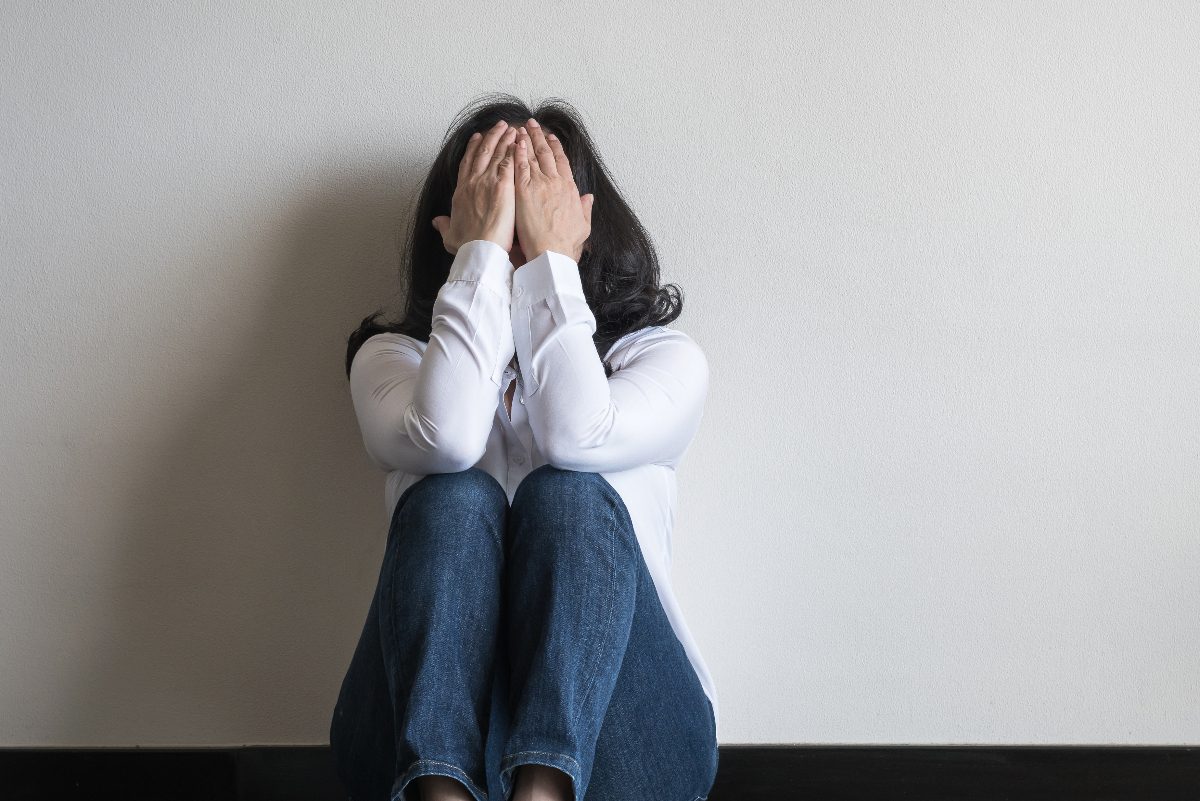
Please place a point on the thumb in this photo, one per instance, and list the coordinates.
(440, 222)
(588, 200)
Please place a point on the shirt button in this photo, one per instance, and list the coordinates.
(520, 291)
(518, 459)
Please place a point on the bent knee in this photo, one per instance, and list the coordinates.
(454, 504)
(466, 487)
(555, 505)
(550, 482)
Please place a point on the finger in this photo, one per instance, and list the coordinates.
(561, 162)
(441, 224)
(487, 146)
(503, 151)
(504, 167)
(541, 150)
(522, 157)
(468, 158)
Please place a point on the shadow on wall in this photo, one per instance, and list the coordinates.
(250, 547)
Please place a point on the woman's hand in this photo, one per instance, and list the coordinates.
(551, 214)
(483, 205)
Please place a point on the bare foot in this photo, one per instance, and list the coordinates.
(542, 783)
(441, 788)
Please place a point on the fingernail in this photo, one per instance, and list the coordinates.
(534, 123)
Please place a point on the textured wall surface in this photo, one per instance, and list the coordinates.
(943, 258)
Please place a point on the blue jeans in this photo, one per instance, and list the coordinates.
(504, 635)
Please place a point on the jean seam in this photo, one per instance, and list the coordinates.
(489, 478)
(612, 603)
(391, 603)
(509, 757)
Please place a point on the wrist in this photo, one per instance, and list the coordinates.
(495, 239)
(558, 247)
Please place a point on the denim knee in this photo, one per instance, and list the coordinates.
(442, 500)
(550, 483)
(474, 483)
(568, 505)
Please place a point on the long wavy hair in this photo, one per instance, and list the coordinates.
(618, 268)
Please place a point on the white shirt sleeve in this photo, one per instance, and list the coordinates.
(646, 412)
(427, 409)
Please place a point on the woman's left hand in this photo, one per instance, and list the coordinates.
(550, 213)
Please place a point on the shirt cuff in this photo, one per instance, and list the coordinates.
(551, 273)
(484, 261)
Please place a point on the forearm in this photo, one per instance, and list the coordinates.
(646, 412)
(429, 410)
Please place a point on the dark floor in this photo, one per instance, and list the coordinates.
(747, 773)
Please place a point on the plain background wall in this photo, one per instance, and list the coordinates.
(943, 258)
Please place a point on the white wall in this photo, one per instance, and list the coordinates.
(943, 257)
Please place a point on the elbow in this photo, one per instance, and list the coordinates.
(566, 454)
(451, 455)
(445, 446)
(585, 448)
(456, 456)
(555, 451)
(555, 458)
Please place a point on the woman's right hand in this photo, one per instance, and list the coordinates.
(484, 202)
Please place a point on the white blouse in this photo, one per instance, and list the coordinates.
(438, 407)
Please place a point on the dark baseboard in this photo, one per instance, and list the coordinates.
(747, 773)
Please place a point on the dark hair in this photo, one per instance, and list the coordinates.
(618, 267)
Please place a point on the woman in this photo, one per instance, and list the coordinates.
(530, 410)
